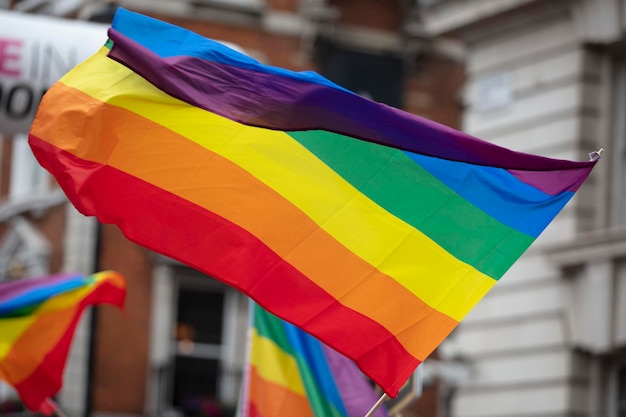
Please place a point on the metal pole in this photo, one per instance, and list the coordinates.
(60, 412)
(375, 406)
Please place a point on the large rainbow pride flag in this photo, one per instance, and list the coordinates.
(373, 229)
(290, 373)
(38, 317)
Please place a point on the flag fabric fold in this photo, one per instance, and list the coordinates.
(38, 317)
(372, 229)
(290, 373)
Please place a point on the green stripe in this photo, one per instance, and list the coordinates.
(270, 327)
(383, 174)
(315, 371)
(320, 405)
(21, 311)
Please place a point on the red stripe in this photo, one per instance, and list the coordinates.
(174, 227)
(253, 411)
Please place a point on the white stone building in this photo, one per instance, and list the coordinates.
(549, 77)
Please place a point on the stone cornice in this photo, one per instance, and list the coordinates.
(592, 247)
(454, 16)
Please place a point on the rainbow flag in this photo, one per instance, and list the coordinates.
(290, 373)
(38, 317)
(372, 229)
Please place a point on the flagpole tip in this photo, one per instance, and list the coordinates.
(596, 155)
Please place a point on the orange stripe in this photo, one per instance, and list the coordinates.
(155, 152)
(29, 351)
(271, 399)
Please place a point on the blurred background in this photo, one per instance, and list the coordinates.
(539, 76)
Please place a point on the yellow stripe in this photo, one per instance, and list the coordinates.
(65, 300)
(12, 329)
(273, 364)
(394, 247)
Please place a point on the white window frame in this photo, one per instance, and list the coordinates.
(164, 346)
(28, 179)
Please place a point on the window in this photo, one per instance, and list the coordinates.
(207, 347)
(615, 386)
(621, 392)
(198, 348)
(375, 76)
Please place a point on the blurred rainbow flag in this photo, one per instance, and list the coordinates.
(38, 317)
(290, 373)
(372, 229)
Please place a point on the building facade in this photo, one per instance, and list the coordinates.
(178, 348)
(548, 77)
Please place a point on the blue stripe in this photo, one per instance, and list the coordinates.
(41, 293)
(308, 349)
(498, 193)
(174, 41)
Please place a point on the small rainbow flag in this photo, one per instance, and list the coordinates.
(290, 373)
(38, 317)
(373, 229)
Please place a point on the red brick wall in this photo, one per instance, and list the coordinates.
(286, 5)
(277, 50)
(5, 165)
(433, 89)
(375, 14)
(427, 405)
(122, 339)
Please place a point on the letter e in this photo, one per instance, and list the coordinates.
(10, 57)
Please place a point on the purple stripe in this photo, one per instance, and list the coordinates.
(356, 393)
(11, 289)
(281, 103)
(554, 182)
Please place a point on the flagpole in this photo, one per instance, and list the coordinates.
(375, 406)
(50, 408)
(60, 412)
